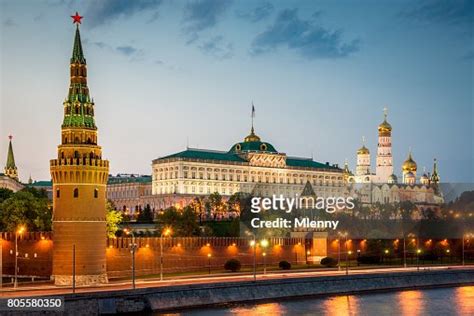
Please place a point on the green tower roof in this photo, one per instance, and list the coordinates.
(77, 53)
(79, 107)
(10, 157)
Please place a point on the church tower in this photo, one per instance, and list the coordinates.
(384, 163)
(79, 184)
(363, 160)
(10, 167)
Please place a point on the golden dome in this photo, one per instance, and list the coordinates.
(409, 165)
(385, 127)
(363, 150)
(252, 137)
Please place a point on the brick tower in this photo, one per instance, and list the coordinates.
(79, 184)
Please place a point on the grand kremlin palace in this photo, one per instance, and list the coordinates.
(251, 166)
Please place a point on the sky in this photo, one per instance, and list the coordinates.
(166, 74)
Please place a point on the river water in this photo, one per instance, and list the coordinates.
(440, 301)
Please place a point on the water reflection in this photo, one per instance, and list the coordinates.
(411, 302)
(341, 305)
(464, 299)
(269, 309)
(442, 301)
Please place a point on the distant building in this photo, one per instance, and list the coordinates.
(9, 179)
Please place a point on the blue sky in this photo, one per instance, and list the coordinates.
(318, 72)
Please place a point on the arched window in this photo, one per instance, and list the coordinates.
(76, 192)
(96, 193)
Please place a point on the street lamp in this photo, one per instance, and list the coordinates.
(264, 244)
(209, 255)
(253, 243)
(467, 236)
(164, 233)
(418, 251)
(20, 230)
(339, 250)
(134, 246)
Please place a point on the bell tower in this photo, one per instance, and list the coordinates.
(79, 184)
(384, 166)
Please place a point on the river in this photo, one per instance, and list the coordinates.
(439, 301)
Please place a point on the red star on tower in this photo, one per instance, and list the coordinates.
(76, 18)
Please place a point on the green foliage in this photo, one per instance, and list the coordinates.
(146, 215)
(284, 265)
(113, 219)
(232, 265)
(328, 262)
(5, 194)
(224, 228)
(27, 207)
(183, 223)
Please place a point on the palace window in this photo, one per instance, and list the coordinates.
(76, 193)
(96, 193)
(58, 193)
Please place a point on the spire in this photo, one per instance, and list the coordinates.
(252, 137)
(78, 108)
(10, 167)
(10, 156)
(435, 176)
(77, 53)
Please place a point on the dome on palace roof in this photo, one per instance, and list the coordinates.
(253, 143)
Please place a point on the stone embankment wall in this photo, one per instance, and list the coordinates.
(199, 295)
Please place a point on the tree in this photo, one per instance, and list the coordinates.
(145, 216)
(24, 208)
(113, 219)
(217, 206)
(183, 223)
(5, 194)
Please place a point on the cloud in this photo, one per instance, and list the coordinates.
(449, 12)
(217, 47)
(128, 50)
(305, 37)
(200, 15)
(257, 14)
(135, 54)
(9, 23)
(105, 11)
(469, 56)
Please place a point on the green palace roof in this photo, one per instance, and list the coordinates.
(237, 154)
(201, 154)
(41, 184)
(233, 156)
(129, 179)
(253, 146)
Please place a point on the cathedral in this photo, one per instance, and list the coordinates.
(384, 172)
(384, 186)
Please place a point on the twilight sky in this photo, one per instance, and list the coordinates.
(318, 72)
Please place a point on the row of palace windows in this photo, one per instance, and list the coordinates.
(237, 177)
(75, 193)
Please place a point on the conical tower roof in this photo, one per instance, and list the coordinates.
(10, 156)
(77, 53)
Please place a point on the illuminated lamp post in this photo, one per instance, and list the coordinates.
(264, 244)
(165, 233)
(209, 255)
(20, 230)
(134, 247)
